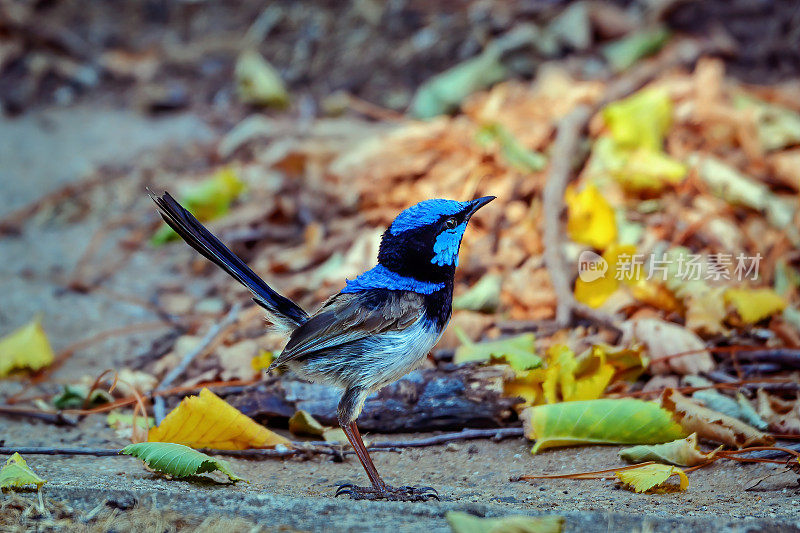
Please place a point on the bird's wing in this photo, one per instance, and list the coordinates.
(349, 317)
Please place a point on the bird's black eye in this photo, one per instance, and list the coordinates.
(450, 223)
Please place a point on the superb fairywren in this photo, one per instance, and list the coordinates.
(377, 329)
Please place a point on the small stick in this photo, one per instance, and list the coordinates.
(211, 335)
(298, 447)
(53, 418)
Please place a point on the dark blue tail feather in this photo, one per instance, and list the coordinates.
(198, 237)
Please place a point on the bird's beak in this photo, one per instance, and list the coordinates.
(478, 203)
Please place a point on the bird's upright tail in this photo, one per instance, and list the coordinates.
(285, 312)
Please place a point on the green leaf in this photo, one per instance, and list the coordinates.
(602, 421)
(26, 347)
(625, 52)
(461, 522)
(207, 199)
(75, 396)
(178, 460)
(17, 473)
(681, 452)
(484, 296)
(514, 153)
(519, 351)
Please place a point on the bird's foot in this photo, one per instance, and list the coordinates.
(398, 494)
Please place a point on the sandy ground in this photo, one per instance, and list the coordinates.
(299, 493)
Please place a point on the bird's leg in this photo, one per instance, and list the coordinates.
(379, 489)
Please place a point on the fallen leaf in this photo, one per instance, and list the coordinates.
(595, 292)
(207, 421)
(26, 347)
(591, 220)
(704, 304)
(519, 352)
(638, 169)
(712, 425)
(640, 120)
(664, 340)
(262, 360)
(646, 477)
(565, 381)
(739, 408)
(16, 474)
(754, 305)
(302, 423)
(514, 153)
(783, 416)
(736, 188)
(338, 435)
(257, 82)
(77, 396)
(626, 51)
(207, 199)
(603, 421)
(484, 296)
(461, 522)
(778, 127)
(681, 452)
(123, 425)
(178, 460)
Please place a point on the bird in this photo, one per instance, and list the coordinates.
(379, 327)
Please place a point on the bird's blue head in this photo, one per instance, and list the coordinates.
(423, 241)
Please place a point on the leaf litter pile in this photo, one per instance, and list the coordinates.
(652, 303)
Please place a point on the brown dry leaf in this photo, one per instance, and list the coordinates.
(710, 424)
(665, 339)
(207, 421)
(783, 416)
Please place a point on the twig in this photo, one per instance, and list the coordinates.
(53, 418)
(297, 447)
(213, 332)
(465, 434)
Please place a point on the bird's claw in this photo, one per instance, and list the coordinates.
(401, 494)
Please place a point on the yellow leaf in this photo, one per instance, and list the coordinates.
(754, 305)
(207, 421)
(257, 82)
(591, 219)
(27, 347)
(17, 473)
(646, 477)
(621, 269)
(568, 380)
(262, 360)
(641, 120)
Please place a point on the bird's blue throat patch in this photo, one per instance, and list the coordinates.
(446, 247)
(425, 213)
(380, 277)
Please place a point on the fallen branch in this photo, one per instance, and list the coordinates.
(297, 447)
(180, 368)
